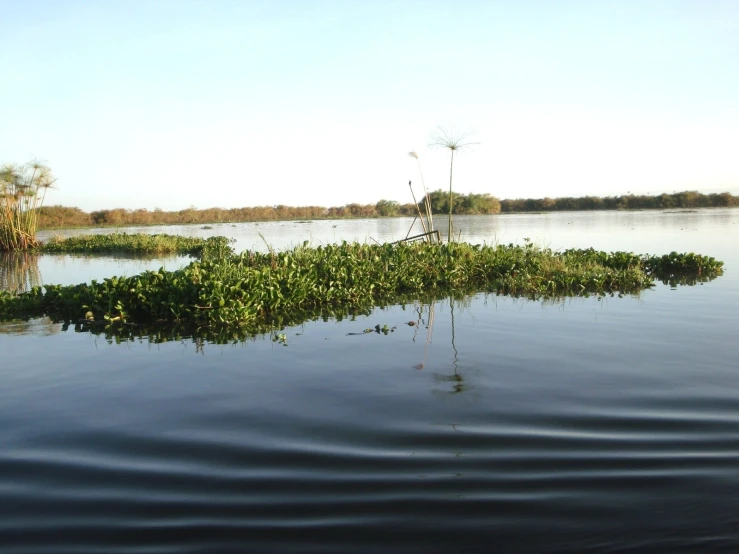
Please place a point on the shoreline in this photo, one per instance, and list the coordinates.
(354, 218)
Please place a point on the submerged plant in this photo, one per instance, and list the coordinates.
(454, 141)
(22, 193)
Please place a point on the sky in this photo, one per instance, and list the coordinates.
(172, 104)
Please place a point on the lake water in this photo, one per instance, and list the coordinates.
(492, 425)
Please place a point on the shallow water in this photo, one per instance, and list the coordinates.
(494, 423)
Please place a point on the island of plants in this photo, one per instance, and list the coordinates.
(140, 244)
(256, 292)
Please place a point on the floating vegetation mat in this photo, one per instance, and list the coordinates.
(139, 244)
(254, 293)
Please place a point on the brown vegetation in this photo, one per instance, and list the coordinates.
(51, 217)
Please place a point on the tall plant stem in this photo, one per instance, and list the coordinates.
(427, 200)
(418, 208)
(453, 141)
(451, 171)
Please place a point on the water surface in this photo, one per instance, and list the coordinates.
(493, 423)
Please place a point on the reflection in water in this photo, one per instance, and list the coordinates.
(125, 333)
(429, 324)
(689, 280)
(455, 379)
(42, 326)
(19, 271)
(579, 434)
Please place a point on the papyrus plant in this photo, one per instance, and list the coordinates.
(454, 141)
(22, 192)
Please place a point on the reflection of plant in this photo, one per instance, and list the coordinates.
(19, 271)
(429, 330)
(39, 327)
(453, 141)
(455, 378)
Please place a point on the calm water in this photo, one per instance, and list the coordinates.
(492, 425)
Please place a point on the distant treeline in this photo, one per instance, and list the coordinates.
(55, 217)
(51, 217)
(687, 199)
(59, 216)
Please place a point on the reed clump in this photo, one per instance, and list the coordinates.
(22, 192)
(253, 291)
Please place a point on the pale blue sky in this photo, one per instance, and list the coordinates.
(172, 103)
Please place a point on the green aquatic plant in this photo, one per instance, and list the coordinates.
(137, 244)
(262, 291)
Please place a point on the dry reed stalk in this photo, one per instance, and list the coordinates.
(427, 199)
(423, 225)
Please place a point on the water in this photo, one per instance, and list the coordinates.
(493, 424)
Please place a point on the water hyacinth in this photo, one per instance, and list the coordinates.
(255, 291)
(136, 244)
